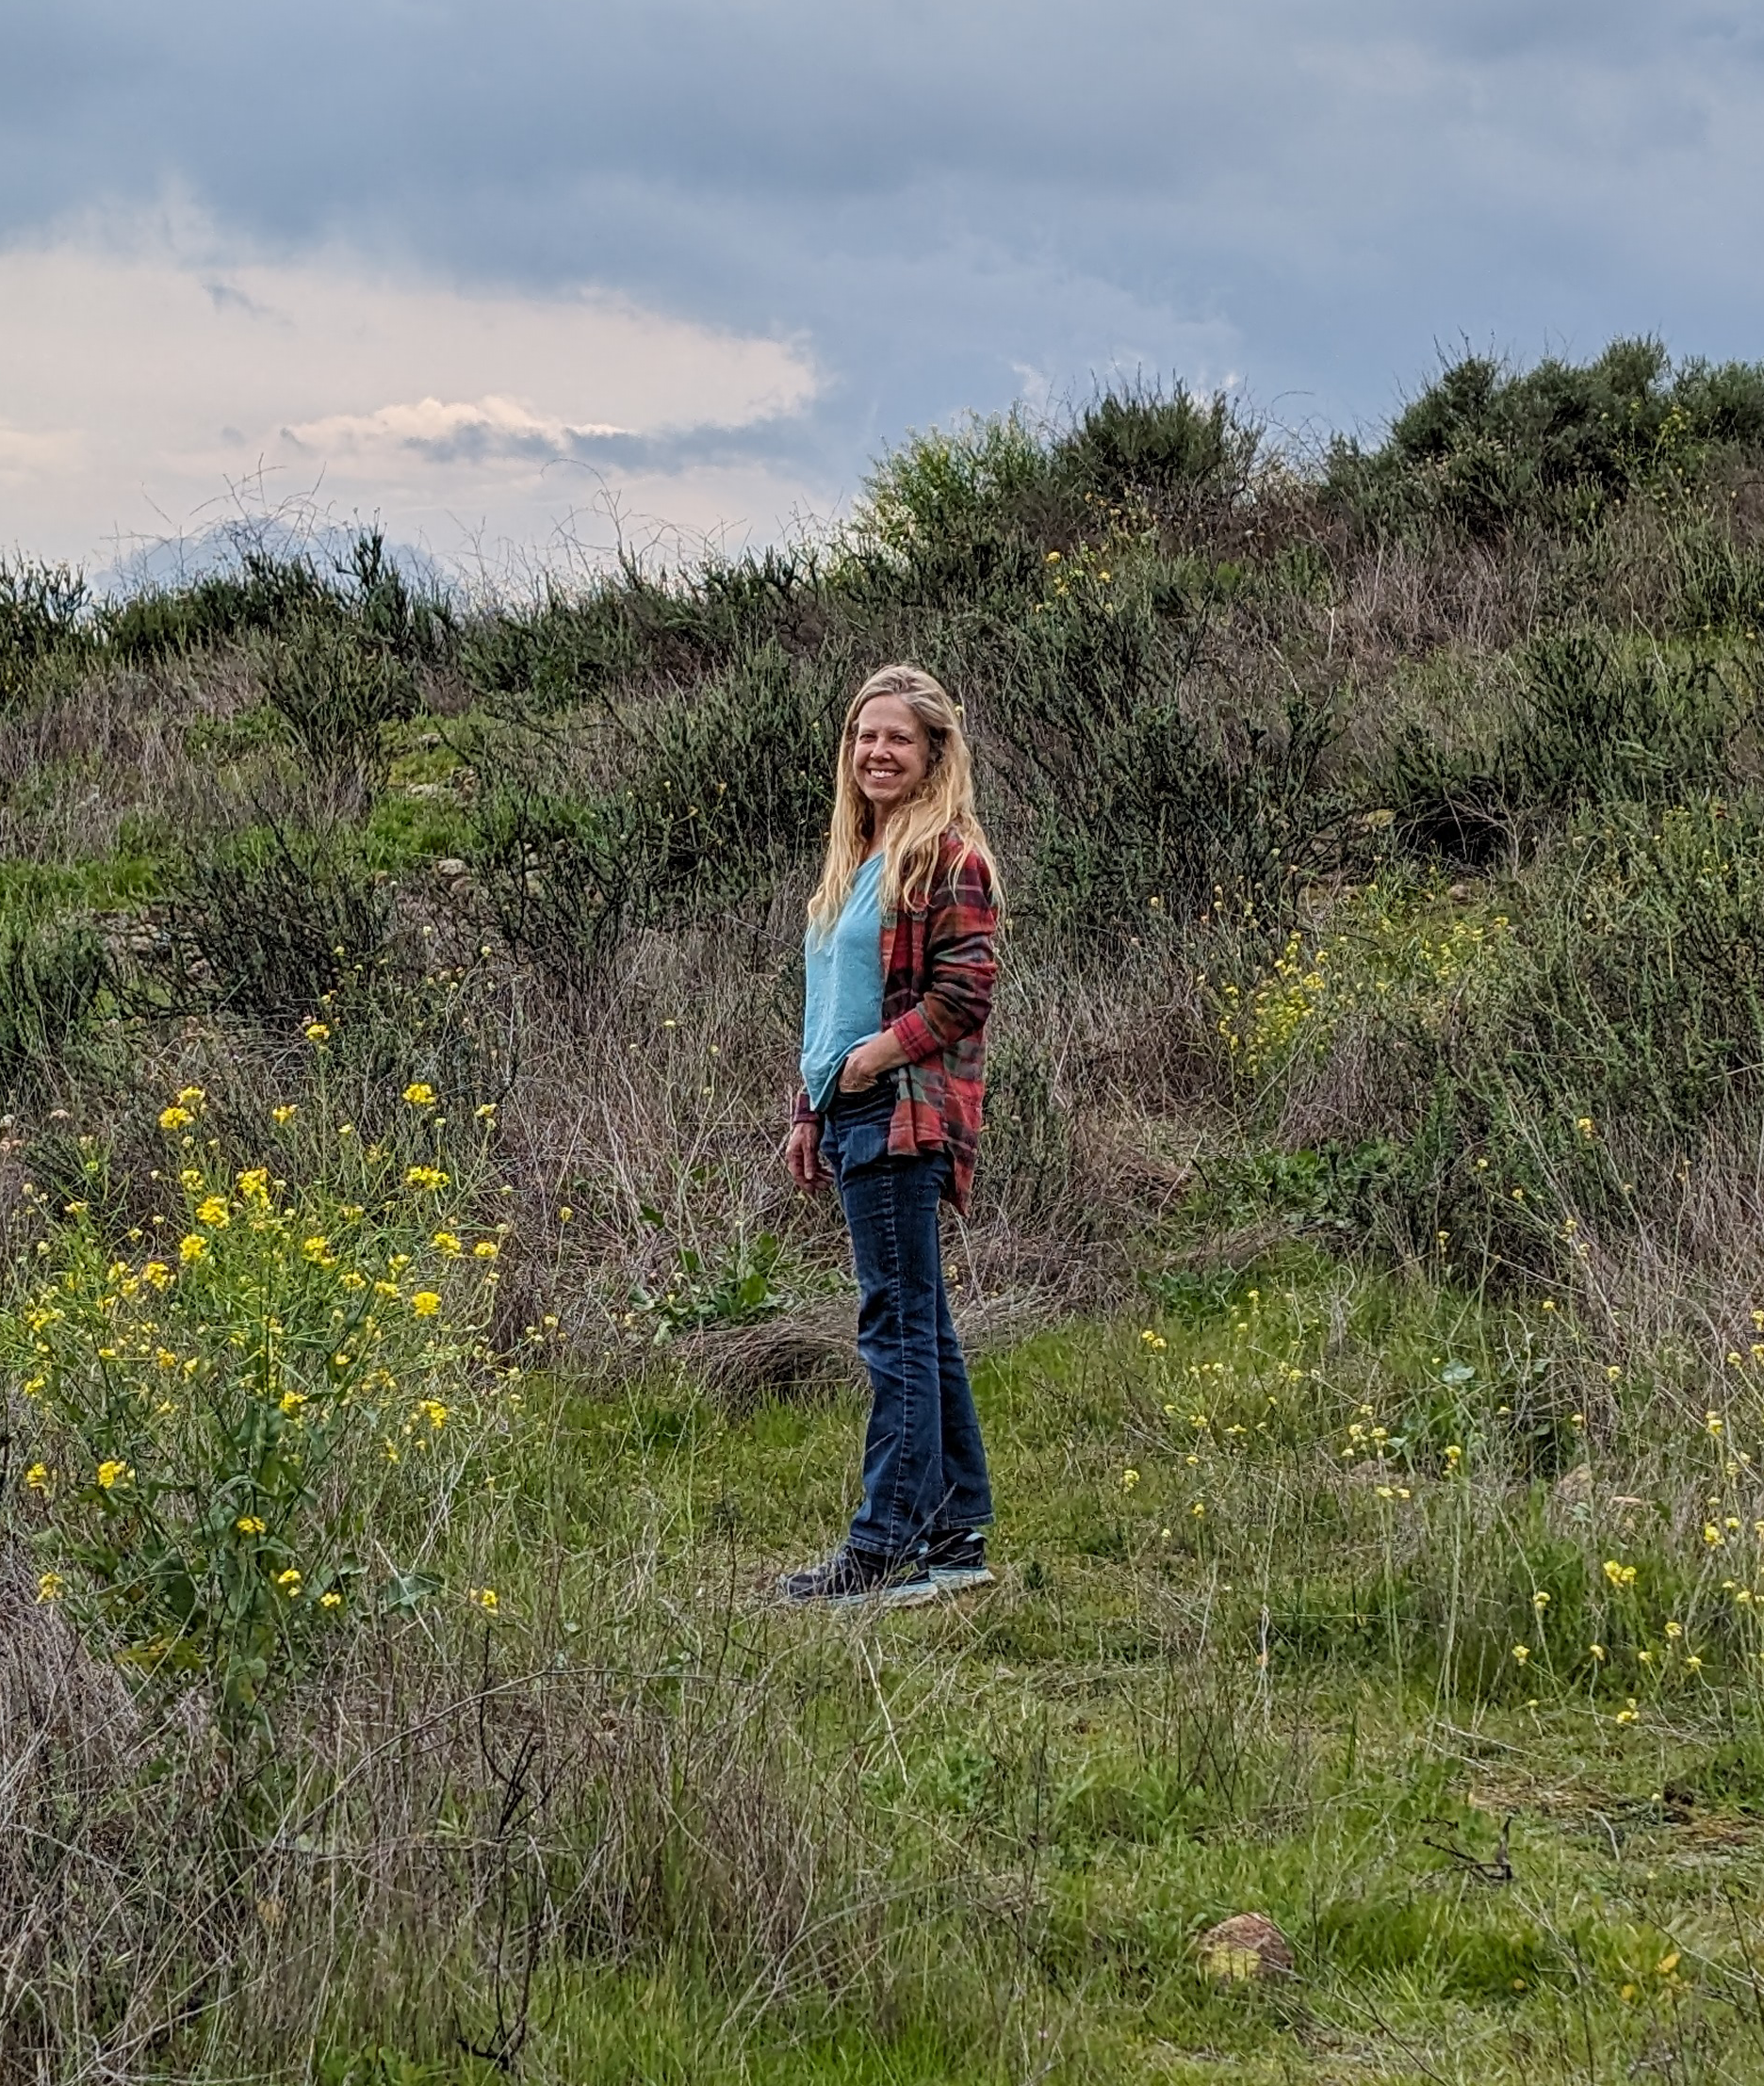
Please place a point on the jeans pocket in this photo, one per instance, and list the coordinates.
(862, 1143)
(857, 1128)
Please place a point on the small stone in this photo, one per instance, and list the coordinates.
(1248, 1944)
(450, 866)
(1573, 1487)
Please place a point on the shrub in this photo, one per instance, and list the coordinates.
(1173, 454)
(1593, 719)
(53, 976)
(268, 921)
(335, 691)
(219, 1416)
(721, 797)
(42, 611)
(1485, 448)
(957, 516)
(262, 594)
(1131, 806)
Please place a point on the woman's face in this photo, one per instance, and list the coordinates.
(890, 753)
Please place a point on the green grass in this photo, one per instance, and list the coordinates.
(1079, 1770)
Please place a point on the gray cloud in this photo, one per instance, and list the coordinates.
(952, 202)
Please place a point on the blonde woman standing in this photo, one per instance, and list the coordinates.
(899, 967)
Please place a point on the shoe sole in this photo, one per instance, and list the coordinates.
(882, 1597)
(957, 1582)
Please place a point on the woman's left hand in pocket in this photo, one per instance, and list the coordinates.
(866, 1062)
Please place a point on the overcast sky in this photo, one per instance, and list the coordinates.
(502, 272)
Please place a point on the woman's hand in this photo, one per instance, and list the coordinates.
(802, 1155)
(866, 1062)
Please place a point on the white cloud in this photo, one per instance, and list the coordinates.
(140, 381)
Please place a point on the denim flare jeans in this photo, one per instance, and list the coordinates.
(925, 1468)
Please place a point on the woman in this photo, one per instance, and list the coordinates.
(900, 968)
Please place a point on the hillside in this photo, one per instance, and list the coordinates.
(417, 1364)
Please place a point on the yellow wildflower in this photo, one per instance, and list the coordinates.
(420, 1094)
(486, 1250)
(113, 1471)
(51, 1587)
(331, 1600)
(38, 1477)
(287, 1113)
(215, 1211)
(250, 1524)
(175, 1119)
(425, 1303)
(444, 1242)
(316, 1032)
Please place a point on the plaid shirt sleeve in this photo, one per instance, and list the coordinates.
(958, 967)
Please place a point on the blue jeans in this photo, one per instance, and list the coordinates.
(924, 1467)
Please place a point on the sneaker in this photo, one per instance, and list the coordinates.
(850, 1578)
(956, 1559)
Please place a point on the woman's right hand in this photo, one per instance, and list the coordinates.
(802, 1155)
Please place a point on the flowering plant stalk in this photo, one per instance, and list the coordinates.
(224, 1417)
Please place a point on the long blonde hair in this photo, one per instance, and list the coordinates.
(944, 803)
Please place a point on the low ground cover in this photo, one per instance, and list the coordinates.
(1322, 1595)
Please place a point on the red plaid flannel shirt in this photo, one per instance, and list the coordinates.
(938, 970)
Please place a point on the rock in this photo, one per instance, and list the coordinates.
(451, 868)
(425, 791)
(1248, 1944)
(1573, 1489)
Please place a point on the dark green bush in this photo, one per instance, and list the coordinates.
(637, 631)
(1172, 453)
(266, 923)
(1484, 448)
(1132, 808)
(335, 691)
(718, 797)
(42, 610)
(53, 975)
(1593, 720)
(264, 594)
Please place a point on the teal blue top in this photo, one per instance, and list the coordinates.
(842, 997)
